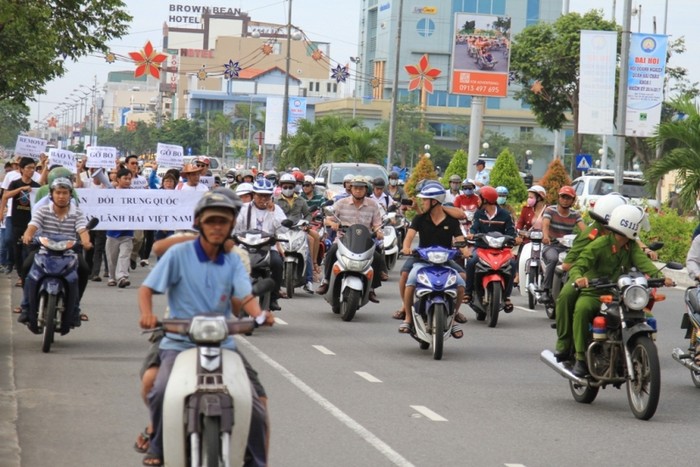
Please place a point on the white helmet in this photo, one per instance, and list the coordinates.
(538, 190)
(626, 220)
(432, 190)
(287, 178)
(244, 189)
(309, 179)
(605, 205)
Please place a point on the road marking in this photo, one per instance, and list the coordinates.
(423, 410)
(323, 350)
(386, 450)
(525, 309)
(280, 321)
(368, 377)
(514, 465)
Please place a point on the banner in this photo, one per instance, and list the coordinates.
(101, 157)
(63, 158)
(134, 209)
(645, 83)
(30, 147)
(480, 60)
(297, 111)
(598, 64)
(169, 155)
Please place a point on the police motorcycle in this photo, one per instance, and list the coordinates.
(531, 267)
(296, 250)
(691, 323)
(351, 277)
(52, 284)
(434, 303)
(622, 350)
(560, 276)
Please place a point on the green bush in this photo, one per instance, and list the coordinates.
(458, 166)
(673, 230)
(505, 173)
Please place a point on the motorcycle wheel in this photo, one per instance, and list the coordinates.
(583, 394)
(495, 293)
(351, 304)
(48, 311)
(211, 442)
(390, 262)
(531, 279)
(695, 376)
(289, 279)
(438, 330)
(643, 392)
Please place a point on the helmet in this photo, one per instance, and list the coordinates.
(230, 194)
(230, 173)
(538, 190)
(202, 159)
(605, 205)
(394, 174)
(244, 189)
(379, 182)
(247, 173)
(61, 182)
(502, 191)
(59, 172)
(262, 186)
(309, 179)
(488, 193)
(359, 180)
(298, 176)
(218, 201)
(287, 178)
(432, 190)
(468, 182)
(455, 178)
(626, 220)
(271, 175)
(347, 178)
(568, 190)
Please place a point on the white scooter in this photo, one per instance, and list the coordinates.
(296, 253)
(391, 242)
(531, 267)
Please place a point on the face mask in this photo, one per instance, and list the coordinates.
(393, 182)
(531, 202)
(468, 192)
(288, 192)
(501, 200)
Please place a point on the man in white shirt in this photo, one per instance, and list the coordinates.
(192, 173)
(482, 177)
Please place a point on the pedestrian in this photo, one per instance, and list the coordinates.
(120, 243)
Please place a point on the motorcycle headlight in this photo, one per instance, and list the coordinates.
(355, 265)
(451, 280)
(388, 231)
(635, 297)
(536, 235)
(423, 279)
(208, 329)
(56, 246)
(495, 242)
(438, 257)
(297, 244)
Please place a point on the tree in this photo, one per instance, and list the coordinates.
(13, 120)
(410, 136)
(545, 58)
(457, 166)
(424, 170)
(505, 173)
(38, 36)
(554, 178)
(220, 130)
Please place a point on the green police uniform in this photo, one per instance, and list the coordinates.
(566, 301)
(602, 258)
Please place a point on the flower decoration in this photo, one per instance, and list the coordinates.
(537, 87)
(422, 76)
(340, 73)
(232, 69)
(202, 74)
(131, 126)
(374, 82)
(52, 122)
(110, 57)
(267, 49)
(317, 55)
(147, 61)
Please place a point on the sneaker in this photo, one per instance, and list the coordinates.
(309, 287)
(123, 282)
(144, 263)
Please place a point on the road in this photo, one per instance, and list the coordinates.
(345, 394)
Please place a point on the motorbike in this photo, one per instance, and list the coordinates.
(53, 284)
(691, 323)
(324, 242)
(484, 63)
(531, 267)
(622, 349)
(492, 273)
(351, 279)
(390, 243)
(258, 243)
(434, 305)
(560, 276)
(296, 251)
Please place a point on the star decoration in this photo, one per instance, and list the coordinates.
(317, 55)
(52, 122)
(147, 61)
(131, 126)
(374, 82)
(422, 76)
(537, 87)
(340, 73)
(267, 49)
(202, 74)
(110, 57)
(232, 69)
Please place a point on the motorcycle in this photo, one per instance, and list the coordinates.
(622, 350)
(53, 284)
(434, 305)
(296, 251)
(560, 276)
(531, 267)
(484, 63)
(324, 242)
(691, 323)
(258, 243)
(390, 243)
(492, 273)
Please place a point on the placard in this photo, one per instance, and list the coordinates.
(101, 156)
(207, 180)
(169, 155)
(30, 147)
(64, 158)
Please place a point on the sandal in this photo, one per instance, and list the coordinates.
(460, 318)
(143, 441)
(457, 332)
(508, 306)
(467, 298)
(405, 328)
(17, 310)
(152, 459)
(84, 317)
(399, 314)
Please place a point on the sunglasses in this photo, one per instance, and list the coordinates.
(201, 165)
(566, 197)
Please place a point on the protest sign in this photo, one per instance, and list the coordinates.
(101, 157)
(169, 155)
(207, 180)
(30, 147)
(63, 158)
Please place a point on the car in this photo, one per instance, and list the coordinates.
(330, 176)
(597, 183)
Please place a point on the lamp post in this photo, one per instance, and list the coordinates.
(485, 147)
(356, 61)
(426, 153)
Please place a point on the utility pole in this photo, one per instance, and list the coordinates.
(622, 94)
(394, 91)
(285, 104)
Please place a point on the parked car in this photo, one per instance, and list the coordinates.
(597, 183)
(330, 176)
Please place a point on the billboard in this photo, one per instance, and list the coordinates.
(645, 83)
(480, 55)
(597, 65)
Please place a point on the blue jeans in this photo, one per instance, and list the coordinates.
(7, 245)
(309, 265)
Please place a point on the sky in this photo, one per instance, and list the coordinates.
(336, 22)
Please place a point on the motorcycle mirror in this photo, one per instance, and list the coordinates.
(406, 202)
(460, 244)
(92, 223)
(263, 286)
(654, 246)
(287, 223)
(328, 203)
(393, 208)
(674, 265)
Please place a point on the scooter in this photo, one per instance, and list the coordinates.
(560, 276)
(258, 243)
(390, 242)
(531, 267)
(492, 273)
(296, 252)
(691, 323)
(434, 304)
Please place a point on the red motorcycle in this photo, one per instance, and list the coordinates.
(491, 275)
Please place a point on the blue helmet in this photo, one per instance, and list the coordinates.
(432, 190)
(502, 191)
(263, 186)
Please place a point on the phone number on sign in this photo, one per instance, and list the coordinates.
(479, 88)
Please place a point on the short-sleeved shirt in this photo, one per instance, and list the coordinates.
(21, 204)
(46, 221)
(463, 201)
(561, 225)
(195, 285)
(482, 177)
(367, 214)
(11, 177)
(296, 210)
(253, 218)
(430, 234)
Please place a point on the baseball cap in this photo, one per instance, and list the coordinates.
(480, 162)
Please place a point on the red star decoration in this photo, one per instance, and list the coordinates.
(148, 61)
(267, 49)
(537, 87)
(131, 126)
(422, 76)
(317, 55)
(52, 122)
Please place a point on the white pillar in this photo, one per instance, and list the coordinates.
(477, 116)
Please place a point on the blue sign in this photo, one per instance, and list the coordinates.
(584, 162)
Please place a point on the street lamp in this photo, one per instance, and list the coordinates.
(485, 147)
(356, 61)
(426, 153)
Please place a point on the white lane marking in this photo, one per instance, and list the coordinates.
(323, 350)
(386, 450)
(423, 410)
(525, 309)
(368, 377)
(514, 465)
(280, 321)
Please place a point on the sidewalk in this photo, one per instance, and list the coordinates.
(9, 442)
(680, 277)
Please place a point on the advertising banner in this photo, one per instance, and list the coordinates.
(645, 83)
(598, 64)
(297, 111)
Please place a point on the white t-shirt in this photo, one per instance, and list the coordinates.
(139, 182)
(198, 187)
(260, 219)
(11, 177)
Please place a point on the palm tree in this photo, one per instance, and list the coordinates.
(360, 145)
(220, 128)
(317, 142)
(679, 139)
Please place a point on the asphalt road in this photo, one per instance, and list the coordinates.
(345, 394)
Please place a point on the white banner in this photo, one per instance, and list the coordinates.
(30, 147)
(63, 158)
(101, 156)
(598, 63)
(645, 84)
(133, 209)
(207, 180)
(169, 155)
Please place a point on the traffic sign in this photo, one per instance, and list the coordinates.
(259, 137)
(583, 162)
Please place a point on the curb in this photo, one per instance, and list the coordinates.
(9, 439)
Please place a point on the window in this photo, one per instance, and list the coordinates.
(526, 130)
